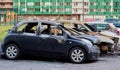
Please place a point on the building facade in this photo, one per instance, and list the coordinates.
(51, 9)
(5, 6)
(105, 8)
(67, 9)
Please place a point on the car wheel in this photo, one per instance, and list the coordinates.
(12, 51)
(77, 55)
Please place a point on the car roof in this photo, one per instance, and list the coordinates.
(97, 23)
(43, 21)
(70, 21)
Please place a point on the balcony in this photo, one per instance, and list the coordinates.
(68, 6)
(92, 13)
(116, 7)
(93, 0)
(100, 7)
(68, 12)
(116, 0)
(29, 6)
(100, 13)
(116, 13)
(6, 7)
(6, 1)
(37, 12)
(107, 0)
(107, 13)
(107, 7)
(93, 7)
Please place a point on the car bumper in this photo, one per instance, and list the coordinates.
(94, 54)
(1, 51)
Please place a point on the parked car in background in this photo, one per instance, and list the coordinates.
(115, 22)
(47, 39)
(105, 42)
(105, 29)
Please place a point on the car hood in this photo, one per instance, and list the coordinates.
(109, 33)
(93, 39)
(104, 39)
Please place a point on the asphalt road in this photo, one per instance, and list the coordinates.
(104, 63)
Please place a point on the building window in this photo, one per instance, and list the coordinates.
(46, 3)
(60, 10)
(68, 9)
(37, 9)
(68, 4)
(2, 4)
(60, 4)
(85, 3)
(108, 4)
(30, 9)
(115, 10)
(53, 3)
(75, 10)
(92, 3)
(30, 3)
(108, 9)
(85, 10)
(22, 3)
(53, 10)
(76, 4)
(37, 3)
(91, 10)
(45, 10)
(24, 9)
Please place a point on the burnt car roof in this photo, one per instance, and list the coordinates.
(71, 21)
(43, 21)
(97, 23)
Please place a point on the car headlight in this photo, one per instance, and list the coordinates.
(90, 45)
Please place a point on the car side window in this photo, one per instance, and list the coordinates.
(20, 29)
(56, 31)
(28, 28)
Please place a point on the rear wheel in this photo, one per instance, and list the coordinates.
(12, 51)
(77, 55)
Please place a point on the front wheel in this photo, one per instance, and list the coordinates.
(12, 51)
(77, 55)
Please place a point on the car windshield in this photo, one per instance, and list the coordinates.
(70, 31)
(99, 27)
(111, 20)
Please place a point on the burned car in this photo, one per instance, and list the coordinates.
(106, 43)
(47, 39)
(105, 29)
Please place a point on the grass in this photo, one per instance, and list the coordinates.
(4, 31)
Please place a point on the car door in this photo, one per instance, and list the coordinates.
(28, 37)
(49, 44)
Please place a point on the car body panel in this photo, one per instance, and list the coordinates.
(46, 45)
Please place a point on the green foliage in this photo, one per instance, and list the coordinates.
(4, 31)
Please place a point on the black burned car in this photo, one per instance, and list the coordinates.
(47, 39)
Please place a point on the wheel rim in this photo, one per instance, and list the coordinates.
(77, 55)
(11, 52)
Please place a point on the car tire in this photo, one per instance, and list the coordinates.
(12, 51)
(77, 55)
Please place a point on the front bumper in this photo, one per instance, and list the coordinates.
(1, 51)
(94, 54)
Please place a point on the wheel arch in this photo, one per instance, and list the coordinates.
(76, 47)
(11, 42)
